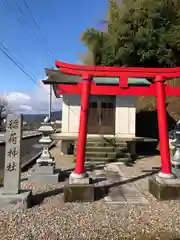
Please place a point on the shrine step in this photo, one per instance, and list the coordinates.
(106, 139)
(106, 144)
(104, 147)
(100, 149)
(107, 154)
(106, 150)
(106, 159)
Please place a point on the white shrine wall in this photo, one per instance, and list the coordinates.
(125, 120)
(70, 113)
(125, 115)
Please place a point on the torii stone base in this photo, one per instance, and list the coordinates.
(165, 189)
(79, 189)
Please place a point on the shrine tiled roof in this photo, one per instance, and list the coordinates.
(56, 77)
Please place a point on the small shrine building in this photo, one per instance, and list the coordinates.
(108, 115)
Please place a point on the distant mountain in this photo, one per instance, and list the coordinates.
(57, 115)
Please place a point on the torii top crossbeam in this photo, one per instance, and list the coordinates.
(67, 79)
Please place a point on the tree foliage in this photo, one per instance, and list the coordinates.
(139, 33)
(4, 109)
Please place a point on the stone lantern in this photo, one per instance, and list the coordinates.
(176, 157)
(4, 123)
(44, 171)
(45, 141)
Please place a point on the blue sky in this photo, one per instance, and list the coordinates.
(61, 22)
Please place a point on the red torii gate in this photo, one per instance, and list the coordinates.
(86, 87)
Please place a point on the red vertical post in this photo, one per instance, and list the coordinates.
(81, 144)
(163, 128)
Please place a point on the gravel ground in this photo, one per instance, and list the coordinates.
(51, 218)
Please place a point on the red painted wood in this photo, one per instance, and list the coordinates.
(116, 90)
(163, 129)
(123, 81)
(152, 71)
(81, 144)
(144, 74)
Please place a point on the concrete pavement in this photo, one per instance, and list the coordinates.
(26, 134)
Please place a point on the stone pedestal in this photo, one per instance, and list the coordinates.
(44, 174)
(44, 171)
(164, 189)
(79, 189)
(175, 162)
(13, 202)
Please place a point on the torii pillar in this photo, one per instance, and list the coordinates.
(163, 129)
(165, 186)
(79, 174)
(80, 187)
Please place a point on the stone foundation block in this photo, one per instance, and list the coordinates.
(163, 191)
(84, 180)
(13, 202)
(44, 169)
(79, 193)
(44, 178)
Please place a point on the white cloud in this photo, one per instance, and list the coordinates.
(36, 101)
(26, 107)
(17, 96)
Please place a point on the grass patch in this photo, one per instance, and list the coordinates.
(172, 151)
(1, 180)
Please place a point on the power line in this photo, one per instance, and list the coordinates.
(32, 16)
(35, 23)
(9, 55)
(19, 65)
(17, 18)
(22, 23)
(15, 59)
(19, 21)
(25, 29)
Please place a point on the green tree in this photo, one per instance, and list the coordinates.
(102, 46)
(4, 111)
(139, 33)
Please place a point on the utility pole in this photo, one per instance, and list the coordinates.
(50, 101)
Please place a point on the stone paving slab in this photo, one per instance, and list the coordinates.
(119, 189)
(105, 175)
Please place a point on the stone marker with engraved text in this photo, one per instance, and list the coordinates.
(12, 169)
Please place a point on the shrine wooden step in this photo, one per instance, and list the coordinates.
(107, 154)
(103, 146)
(100, 149)
(106, 144)
(107, 159)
